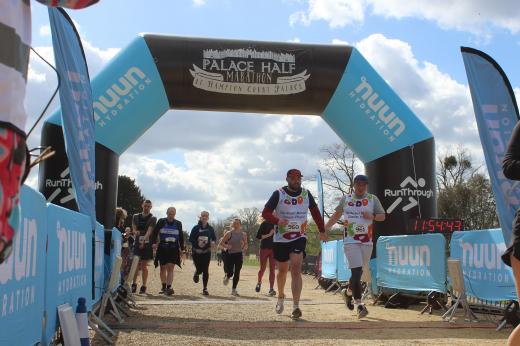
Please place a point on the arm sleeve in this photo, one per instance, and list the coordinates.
(259, 232)
(193, 235)
(312, 202)
(316, 216)
(270, 206)
(511, 163)
(156, 230)
(181, 236)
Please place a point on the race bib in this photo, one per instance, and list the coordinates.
(290, 228)
(360, 228)
(141, 239)
(170, 239)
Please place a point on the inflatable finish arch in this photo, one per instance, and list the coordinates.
(156, 73)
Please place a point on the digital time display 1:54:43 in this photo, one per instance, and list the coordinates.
(436, 225)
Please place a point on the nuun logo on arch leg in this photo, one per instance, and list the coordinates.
(483, 261)
(120, 95)
(410, 195)
(72, 259)
(377, 110)
(18, 272)
(409, 259)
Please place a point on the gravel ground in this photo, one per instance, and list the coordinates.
(189, 318)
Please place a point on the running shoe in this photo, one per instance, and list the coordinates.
(297, 313)
(163, 289)
(347, 298)
(142, 290)
(169, 291)
(205, 292)
(234, 293)
(196, 278)
(271, 293)
(134, 288)
(225, 281)
(258, 286)
(362, 311)
(279, 305)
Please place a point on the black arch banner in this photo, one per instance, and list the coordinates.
(156, 73)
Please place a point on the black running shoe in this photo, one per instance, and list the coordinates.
(297, 313)
(362, 311)
(142, 290)
(347, 298)
(205, 292)
(134, 288)
(196, 278)
(257, 288)
(169, 291)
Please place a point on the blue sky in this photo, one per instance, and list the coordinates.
(223, 162)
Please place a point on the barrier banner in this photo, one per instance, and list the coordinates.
(372, 264)
(485, 275)
(343, 273)
(22, 275)
(99, 271)
(328, 259)
(115, 250)
(412, 262)
(69, 262)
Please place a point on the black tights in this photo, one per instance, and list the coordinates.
(201, 261)
(355, 282)
(233, 266)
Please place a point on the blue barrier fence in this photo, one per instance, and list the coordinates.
(412, 262)
(485, 275)
(334, 264)
(417, 263)
(51, 264)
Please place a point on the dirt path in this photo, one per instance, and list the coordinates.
(189, 318)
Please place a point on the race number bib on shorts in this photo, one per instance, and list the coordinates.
(141, 239)
(290, 228)
(202, 241)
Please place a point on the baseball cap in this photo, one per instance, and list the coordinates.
(294, 173)
(361, 178)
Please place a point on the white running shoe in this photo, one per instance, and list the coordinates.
(279, 305)
(225, 280)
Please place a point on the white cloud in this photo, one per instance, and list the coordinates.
(199, 3)
(337, 13)
(45, 30)
(476, 16)
(340, 42)
(442, 103)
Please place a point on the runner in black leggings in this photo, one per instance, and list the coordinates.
(236, 244)
(202, 238)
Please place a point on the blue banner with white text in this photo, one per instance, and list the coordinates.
(485, 275)
(329, 263)
(412, 262)
(343, 273)
(99, 262)
(77, 113)
(22, 275)
(375, 111)
(69, 262)
(496, 113)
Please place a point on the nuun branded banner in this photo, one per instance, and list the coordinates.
(99, 271)
(69, 262)
(412, 262)
(364, 106)
(115, 250)
(22, 276)
(485, 275)
(328, 259)
(496, 113)
(343, 272)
